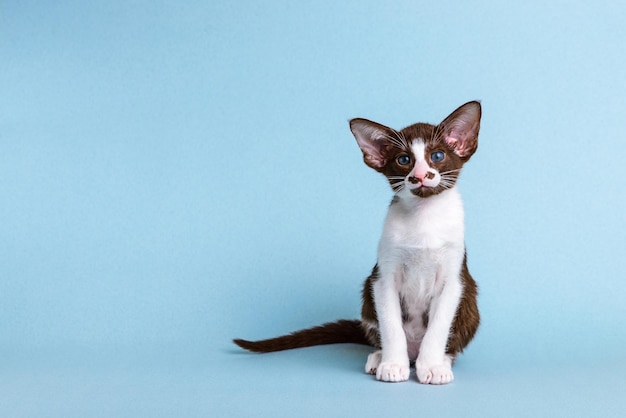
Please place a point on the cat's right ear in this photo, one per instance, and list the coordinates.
(460, 129)
(373, 139)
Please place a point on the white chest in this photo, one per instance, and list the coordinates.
(419, 232)
(421, 240)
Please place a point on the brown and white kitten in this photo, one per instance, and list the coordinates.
(419, 303)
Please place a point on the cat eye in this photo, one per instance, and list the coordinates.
(403, 159)
(437, 156)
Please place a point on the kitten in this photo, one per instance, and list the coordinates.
(419, 303)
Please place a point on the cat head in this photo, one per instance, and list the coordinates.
(422, 159)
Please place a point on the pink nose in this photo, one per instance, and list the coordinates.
(420, 170)
(418, 177)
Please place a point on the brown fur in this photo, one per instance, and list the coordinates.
(342, 331)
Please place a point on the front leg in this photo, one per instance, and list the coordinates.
(394, 364)
(433, 365)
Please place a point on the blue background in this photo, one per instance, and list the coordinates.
(176, 174)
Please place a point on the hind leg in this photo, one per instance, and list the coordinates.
(373, 361)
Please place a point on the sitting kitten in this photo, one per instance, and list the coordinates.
(419, 303)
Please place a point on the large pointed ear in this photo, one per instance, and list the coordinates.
(460, 129)
(373, 139)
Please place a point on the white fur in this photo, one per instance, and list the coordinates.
(420, 256)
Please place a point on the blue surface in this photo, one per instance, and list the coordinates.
(176, 174)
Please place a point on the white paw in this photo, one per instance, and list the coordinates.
(439, 374)
(393, 372)
(373, 361)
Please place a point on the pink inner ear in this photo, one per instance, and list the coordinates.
(463, 139)
(372, 151)
(462, 147)
(374, 160)
(452, 141)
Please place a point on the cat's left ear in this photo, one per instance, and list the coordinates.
(460, 129)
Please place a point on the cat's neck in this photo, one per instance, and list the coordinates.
(428, 222)
(412, 203)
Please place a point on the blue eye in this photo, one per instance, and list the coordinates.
(437, 156)
(403, 159)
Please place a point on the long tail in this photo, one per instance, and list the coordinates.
(341, 331)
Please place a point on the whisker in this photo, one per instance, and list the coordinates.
(398, 140)
(447, 185)
(394, 141)
(436, 134)
(397, 186)
(448, 179)
(403, 139)
(450, 171)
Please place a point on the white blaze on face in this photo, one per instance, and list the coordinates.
(426, 175)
